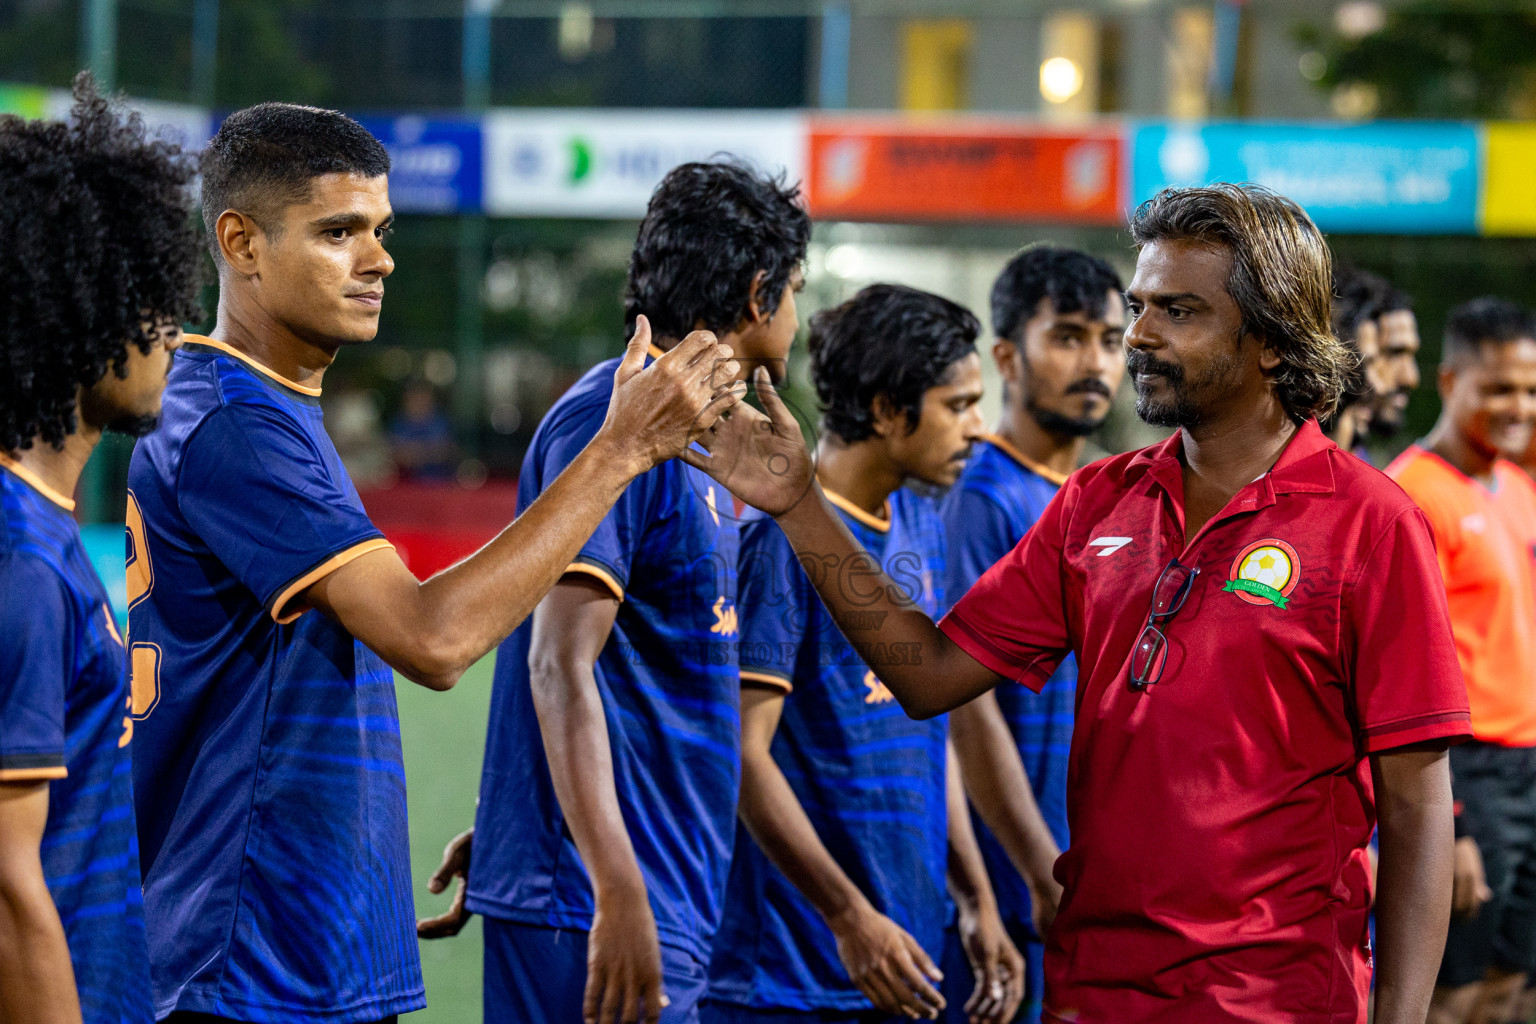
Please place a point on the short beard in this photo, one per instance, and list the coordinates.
(1183, 409)
(1053, 422)
(134, 426)
(1383, 428)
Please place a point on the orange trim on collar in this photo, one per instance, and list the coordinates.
(767, 680)
(34, 481)
(1001, 444)
(230, 350)
(654, 352)
(873, 522)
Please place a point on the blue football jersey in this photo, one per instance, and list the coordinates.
(64, 718)
(996, 501)
(267, 767)
(667, 676)
(870, 779)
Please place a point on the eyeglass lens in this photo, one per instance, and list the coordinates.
(1149, 657)
(1172, 588)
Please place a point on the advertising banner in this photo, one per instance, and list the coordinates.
(435, 166)
(1509, 178)
(587, 163)
(868, 169)
(1390, 178)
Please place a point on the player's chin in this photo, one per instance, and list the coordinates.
(358, 328)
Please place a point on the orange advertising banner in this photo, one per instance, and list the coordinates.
(876, 169)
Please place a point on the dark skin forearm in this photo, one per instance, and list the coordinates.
(931, 674)
(1413, 898)
(967, 875)
(37, 979)
(999, 788)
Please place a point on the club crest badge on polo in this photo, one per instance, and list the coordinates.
(1264, 572)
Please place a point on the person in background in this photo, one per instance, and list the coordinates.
(421, 437)
(1357, 303)
(1059, 319)
(1393, 375)
(853, 812)
(101, 264)
(1482, 509)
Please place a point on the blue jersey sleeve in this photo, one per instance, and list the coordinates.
(771, 593)
(978, 533)
(35, 661)
(610, 552)
(258, 492)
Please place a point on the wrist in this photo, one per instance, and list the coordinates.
(619, 887)
(617, 455)
(846, 917)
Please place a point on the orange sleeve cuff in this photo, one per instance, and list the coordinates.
(283, 614)
(33, 774)
(607, 578)
(766, 679)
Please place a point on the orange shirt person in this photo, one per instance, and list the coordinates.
(1482, 509)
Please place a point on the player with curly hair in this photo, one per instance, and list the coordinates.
(100, 257)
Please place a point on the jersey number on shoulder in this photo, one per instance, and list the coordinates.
(144, 657)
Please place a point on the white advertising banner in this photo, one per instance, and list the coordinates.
(587, 163)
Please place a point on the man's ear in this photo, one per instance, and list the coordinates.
(1445, 381)
(755, 314)
(888, 420)
(240, 242)
(1009, 360)
(1269, 358)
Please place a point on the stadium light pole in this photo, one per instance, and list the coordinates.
(476, 70)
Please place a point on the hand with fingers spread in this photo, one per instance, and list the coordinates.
(624, 979)
(996, 963)
(886, 963)
(455, 865)
(656, 411)
(761, 459)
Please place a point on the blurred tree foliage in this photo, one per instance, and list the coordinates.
(1437, 58)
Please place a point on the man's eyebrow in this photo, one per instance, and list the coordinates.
(347, 220)
(1167, 298)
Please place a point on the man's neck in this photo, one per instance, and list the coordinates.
(60, 468)
(1055, 452)
(244, 324)
(1452, 446)
(1232, 449)
(858, 471)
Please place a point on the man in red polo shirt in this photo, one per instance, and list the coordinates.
(1266, 668)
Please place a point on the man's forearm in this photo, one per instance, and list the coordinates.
(575, 733)
(37, 979)
(967, 874)
(1413, 902)
(778, 824)
(925, 670)
(995, 780)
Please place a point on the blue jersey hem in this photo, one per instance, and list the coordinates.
(194, 1001)
(694, 946)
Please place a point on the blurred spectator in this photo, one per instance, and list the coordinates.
(421, 437)
(1394, 373)
(352, 419)
(1358, 301)
(1483, 513)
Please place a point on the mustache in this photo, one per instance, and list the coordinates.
(1090, 386)
(962, 455)
(1143, 364)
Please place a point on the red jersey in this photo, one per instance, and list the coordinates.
(1485, 539)
(1220, 817)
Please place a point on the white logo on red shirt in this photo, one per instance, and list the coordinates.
(1109, 544)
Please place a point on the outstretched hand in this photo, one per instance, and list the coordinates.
(657, 411)
(761, 459)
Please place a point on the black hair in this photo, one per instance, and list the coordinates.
(1073, 281)
(1485, 320)
(1359, 297)
(709, 230)
(887, 340)
(1396, 301)
(263, 158)
(98, 251)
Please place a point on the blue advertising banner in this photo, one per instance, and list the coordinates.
(1398, 178)
(436, 165)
